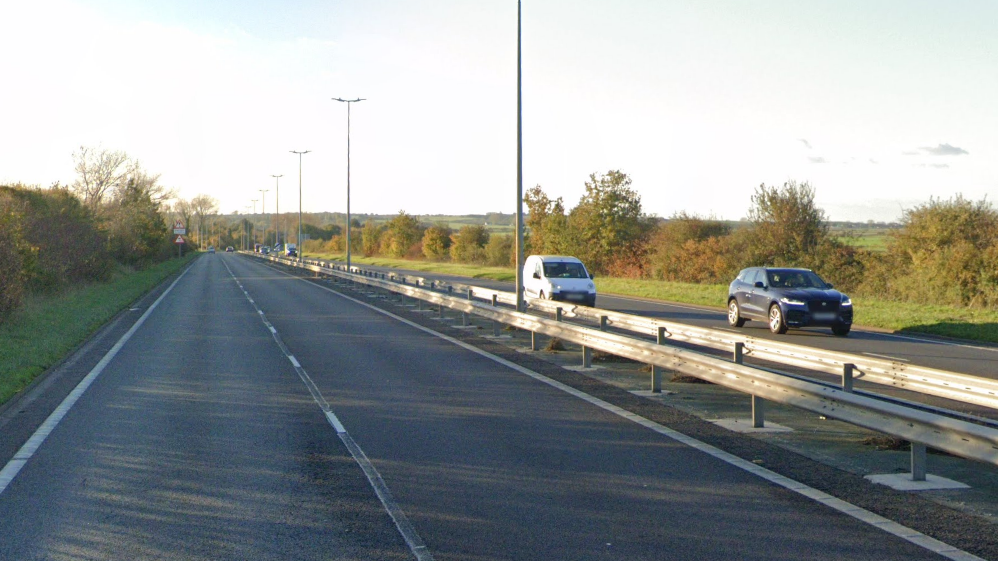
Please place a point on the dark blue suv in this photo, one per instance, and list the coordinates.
(785, 298)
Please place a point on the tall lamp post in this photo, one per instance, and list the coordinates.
(348, 102)
(301, 246)
(263, 210)
(277, 201)
(519, 168)
(254, 217)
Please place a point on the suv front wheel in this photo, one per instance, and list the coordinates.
(777, 324)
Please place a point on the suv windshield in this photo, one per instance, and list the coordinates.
(794, 279)
(565, 271)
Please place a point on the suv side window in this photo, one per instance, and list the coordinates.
(760, 276)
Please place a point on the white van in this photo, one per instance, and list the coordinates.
(557, 277)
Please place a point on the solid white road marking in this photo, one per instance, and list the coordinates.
(13, 467)
(894, 358)
(402, 523)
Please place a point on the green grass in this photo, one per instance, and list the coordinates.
(46, 329)
(686, 293)
(874, 240)
(506, 274)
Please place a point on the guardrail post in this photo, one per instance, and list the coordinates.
(918, 461)
(758, 403)
(557, 313)
(441, 310)
(656, 371)
(464, 315)
(847, 369)
(495, 323)
(587, 353)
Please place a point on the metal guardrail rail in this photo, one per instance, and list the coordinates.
(929, 381)
(922, 428)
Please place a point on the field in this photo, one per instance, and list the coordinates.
(863, 236)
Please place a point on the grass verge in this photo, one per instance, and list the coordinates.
(47, 328)
(903, 317)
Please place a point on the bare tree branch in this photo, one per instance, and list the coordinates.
(99, 173)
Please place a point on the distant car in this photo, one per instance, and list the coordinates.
(265, 250)
(211, 249)
(230, 249)
(291, 250)
(787, 297)
(558, 277)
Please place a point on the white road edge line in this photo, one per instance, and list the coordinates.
(402, 523)
(863, 515)
(13, 467)
(894, 358)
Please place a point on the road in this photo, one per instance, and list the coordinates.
(252, 415)
(954, 356)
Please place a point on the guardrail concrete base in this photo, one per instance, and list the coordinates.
(652, 393)
(745, 425)
(904, 482)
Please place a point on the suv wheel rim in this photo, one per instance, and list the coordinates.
(775, 319)
(732, 312)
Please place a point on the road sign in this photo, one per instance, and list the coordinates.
(179, 240)
(178, 228)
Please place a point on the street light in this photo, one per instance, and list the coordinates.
(254, 216)
(301, 246)
(348, 102)
(277, 200)
(519, 168)
(263, 210)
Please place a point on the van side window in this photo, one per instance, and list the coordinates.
(537, 269)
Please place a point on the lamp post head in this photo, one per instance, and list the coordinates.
(348, 100)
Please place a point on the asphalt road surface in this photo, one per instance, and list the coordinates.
(255, 415)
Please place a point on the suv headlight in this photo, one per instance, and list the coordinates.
(846, 301)
(792, 301)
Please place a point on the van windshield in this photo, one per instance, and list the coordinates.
(565, 271)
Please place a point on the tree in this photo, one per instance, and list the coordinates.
(402, 232)
(546, 222)
(99, 172)
(137, 233)
(11, 262)
(63, 241)
(370, 238)
(788, 227)
(468, 245)
(608, 222)
(500, 251)
(945, 252)
(202, 206)
(691, 248)
(436, 242)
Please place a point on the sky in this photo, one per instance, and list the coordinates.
(880, 106)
